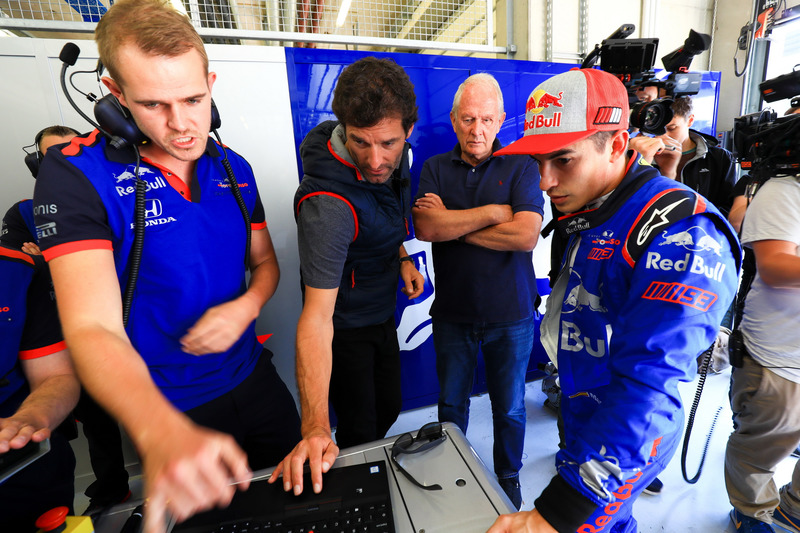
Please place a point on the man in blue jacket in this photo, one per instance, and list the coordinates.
(649, 270)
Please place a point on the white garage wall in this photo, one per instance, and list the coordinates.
(252, 95)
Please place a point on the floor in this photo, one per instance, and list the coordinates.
(681, 507)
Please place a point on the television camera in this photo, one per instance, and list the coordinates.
(632, 61)
(764, 143)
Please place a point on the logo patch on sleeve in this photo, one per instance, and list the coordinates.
(664, 209)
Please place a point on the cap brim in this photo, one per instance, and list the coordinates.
(543, 144)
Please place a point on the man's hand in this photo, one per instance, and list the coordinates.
(31, 248)
(319, 449)
(219, 327)
(413, 280)
(663, 151)
(430, 201)
(648, 146)
(524, 522)
(190, 469)
(17, 431)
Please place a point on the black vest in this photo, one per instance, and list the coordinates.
(368, 288)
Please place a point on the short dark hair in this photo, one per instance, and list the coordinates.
(371, 90)
(682, 107)
(600, 138)
(56, 131)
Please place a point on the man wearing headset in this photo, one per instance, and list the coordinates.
(102, 433)
(186, 376)
(18, 230)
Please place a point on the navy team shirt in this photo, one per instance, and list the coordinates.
(475, 284)
(193, 255)
(29, 325)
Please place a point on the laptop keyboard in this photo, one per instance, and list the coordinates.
(374, 518)
(354, 499)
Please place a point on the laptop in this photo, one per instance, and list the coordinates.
(354, 498)
(469, 502)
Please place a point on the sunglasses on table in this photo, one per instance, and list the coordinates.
(429, 436)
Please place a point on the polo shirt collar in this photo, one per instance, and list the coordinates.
(455, 155)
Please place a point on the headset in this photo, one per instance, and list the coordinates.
(116, 122)
(34, 159)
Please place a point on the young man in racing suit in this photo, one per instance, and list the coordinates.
(649, 271)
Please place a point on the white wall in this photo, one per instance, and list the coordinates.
(252, 95)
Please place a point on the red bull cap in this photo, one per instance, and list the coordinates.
(570, 107)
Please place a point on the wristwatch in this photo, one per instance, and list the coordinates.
(407, 258)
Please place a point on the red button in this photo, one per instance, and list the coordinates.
(52, 518)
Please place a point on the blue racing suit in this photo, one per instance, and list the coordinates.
(655, 268)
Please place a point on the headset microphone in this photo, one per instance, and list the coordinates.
(69, 54)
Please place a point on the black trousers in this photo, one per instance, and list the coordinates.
(365, 382)
(44, 484)
(259, 413)
(105, 451)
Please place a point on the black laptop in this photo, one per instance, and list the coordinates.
(354, 498)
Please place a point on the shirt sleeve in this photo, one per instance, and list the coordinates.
(774, 213)
(15, 231)
(68, 211)
(427, 180)
(526, 194)
(325, 228)
(42, 332)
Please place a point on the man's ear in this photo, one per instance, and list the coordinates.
(409, 132)
(619, 144)
(114, 89)
(690, 120)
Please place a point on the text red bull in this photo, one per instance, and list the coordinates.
(538, 121)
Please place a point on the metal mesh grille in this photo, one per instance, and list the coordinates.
(443, 24)
(59, 10)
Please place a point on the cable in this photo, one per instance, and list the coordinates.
(138, 243)
(701, 382)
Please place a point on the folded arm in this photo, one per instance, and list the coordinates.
(433, 222)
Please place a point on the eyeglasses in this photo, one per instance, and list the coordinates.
(429, 436)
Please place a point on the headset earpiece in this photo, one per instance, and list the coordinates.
(117, 121)
(32, 161)
(216, 120)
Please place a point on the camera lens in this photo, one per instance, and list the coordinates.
(652, 117)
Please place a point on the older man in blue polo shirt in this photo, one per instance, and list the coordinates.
(483, 214)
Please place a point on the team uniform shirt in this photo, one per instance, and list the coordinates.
(653, 270)
(473, 283)
(769, 325)
(18, 225)
(193, 255)
(24, 292)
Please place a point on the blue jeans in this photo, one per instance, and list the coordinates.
(506, 348)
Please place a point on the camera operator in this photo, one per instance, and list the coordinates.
(691, 157)
(765, 385)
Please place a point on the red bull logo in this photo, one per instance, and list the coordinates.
(540, 100)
